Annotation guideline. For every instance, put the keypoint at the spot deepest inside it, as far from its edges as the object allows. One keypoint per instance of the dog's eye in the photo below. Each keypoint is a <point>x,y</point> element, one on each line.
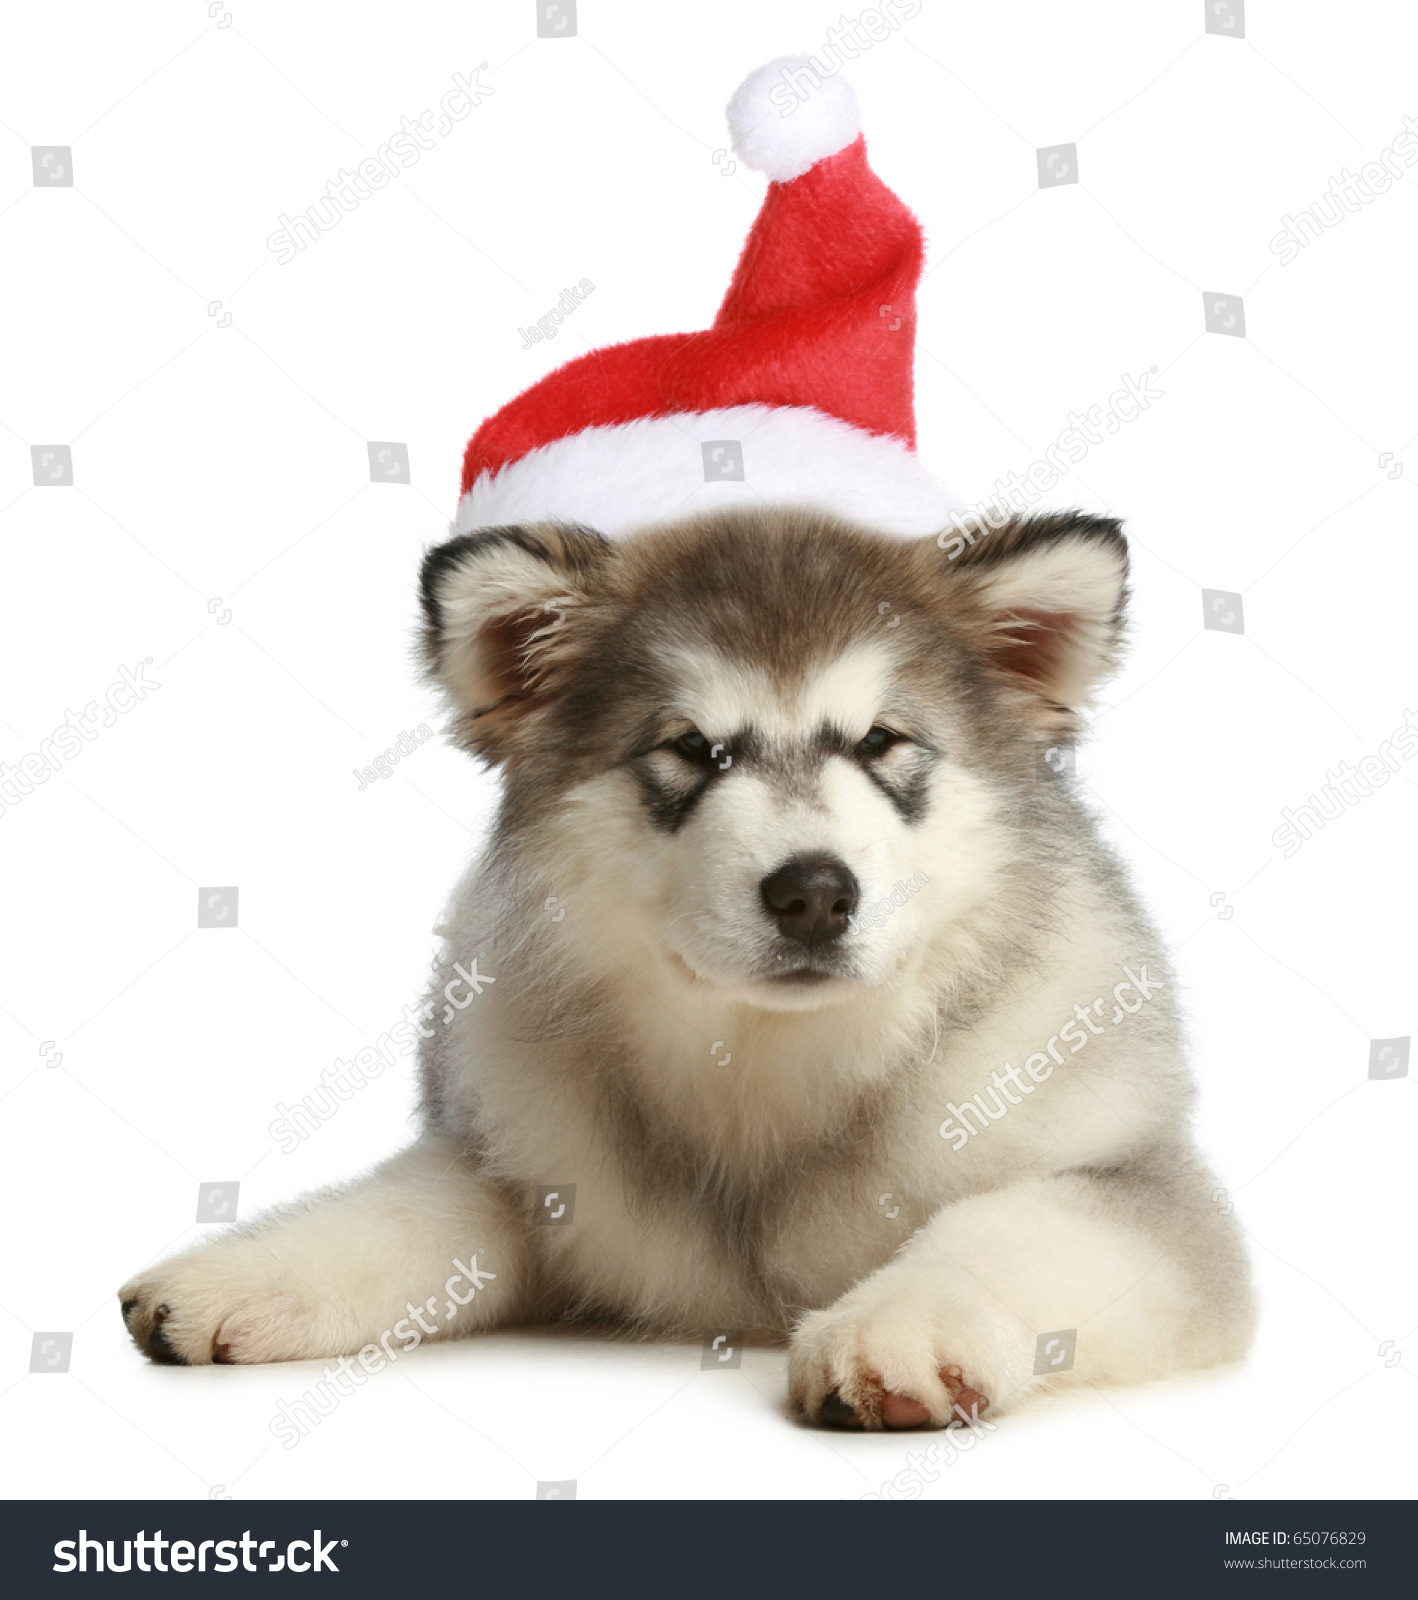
<point>693,746</point>
<point>877,741</point>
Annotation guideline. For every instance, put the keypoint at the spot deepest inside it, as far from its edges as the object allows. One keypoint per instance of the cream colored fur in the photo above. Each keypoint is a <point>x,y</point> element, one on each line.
<point>736,1148</point>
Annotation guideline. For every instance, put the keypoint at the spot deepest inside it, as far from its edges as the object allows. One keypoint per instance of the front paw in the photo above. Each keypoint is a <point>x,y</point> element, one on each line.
<point>218,1305</point>
<point>881,1366</point>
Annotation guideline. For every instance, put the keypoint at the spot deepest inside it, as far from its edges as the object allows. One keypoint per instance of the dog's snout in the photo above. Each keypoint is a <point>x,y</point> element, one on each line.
<point>810,898</point>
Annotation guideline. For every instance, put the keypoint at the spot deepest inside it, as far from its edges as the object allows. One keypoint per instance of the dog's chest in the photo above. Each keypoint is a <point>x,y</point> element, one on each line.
<point>664,1232</point>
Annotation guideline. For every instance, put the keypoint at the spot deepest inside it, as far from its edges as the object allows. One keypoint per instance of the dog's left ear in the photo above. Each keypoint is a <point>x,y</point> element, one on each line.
<point>1042,599</point>
<point>504,610</point>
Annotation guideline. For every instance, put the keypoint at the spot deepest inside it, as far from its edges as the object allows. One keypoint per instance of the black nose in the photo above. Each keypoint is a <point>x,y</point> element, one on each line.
<point>810,898</point>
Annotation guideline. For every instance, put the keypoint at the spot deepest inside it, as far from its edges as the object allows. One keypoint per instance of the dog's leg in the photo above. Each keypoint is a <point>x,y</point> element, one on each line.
<point>1132,1274</point>
<point>379,1260</point>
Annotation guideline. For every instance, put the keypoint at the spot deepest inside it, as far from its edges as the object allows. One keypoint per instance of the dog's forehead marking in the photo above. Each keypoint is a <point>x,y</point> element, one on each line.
<point>720,695</point>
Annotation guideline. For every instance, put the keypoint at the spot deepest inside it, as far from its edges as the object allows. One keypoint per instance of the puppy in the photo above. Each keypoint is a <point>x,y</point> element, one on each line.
<point>795,994</point>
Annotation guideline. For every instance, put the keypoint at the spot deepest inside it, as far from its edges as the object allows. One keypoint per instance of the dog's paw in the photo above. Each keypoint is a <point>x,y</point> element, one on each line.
<point>881,1366</point>
<point>220,1305</point>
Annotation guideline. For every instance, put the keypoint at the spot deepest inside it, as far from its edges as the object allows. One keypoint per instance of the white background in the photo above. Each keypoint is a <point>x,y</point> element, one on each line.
<point>228,465</point>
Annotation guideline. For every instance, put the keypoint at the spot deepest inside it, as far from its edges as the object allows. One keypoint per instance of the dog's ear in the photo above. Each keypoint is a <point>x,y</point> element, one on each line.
<point>1042,599</point>
<point>501,624</point>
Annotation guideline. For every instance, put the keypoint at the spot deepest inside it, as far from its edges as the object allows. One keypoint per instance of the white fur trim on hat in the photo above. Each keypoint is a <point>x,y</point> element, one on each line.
<point>624,477</point>
<point>789,115</point>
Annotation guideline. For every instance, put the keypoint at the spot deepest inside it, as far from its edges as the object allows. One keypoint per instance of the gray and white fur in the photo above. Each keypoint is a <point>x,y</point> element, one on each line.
<point>810,974</point>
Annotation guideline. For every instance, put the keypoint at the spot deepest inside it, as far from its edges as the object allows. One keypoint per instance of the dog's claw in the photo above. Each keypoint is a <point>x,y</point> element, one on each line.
<point>159,1347</point>
<point>836,1413</point>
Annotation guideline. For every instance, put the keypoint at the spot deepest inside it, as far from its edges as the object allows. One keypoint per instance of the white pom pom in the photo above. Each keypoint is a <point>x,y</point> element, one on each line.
<point>788,116</point>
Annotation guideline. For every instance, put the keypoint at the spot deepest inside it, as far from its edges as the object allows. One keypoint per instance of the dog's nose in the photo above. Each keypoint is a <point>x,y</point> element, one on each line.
<point>810,898</point>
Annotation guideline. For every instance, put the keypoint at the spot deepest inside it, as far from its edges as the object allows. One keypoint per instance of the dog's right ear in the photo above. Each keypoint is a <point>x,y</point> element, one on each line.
<point>500,624</point>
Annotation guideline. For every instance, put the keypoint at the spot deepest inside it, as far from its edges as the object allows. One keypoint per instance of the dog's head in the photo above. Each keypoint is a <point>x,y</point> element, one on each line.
<point>782,754</point>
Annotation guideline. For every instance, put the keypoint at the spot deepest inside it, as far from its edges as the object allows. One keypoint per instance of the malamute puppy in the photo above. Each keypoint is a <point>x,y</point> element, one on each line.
<point>795,995</point>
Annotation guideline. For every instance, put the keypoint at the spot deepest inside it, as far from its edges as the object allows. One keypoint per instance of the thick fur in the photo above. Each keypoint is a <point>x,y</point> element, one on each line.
<point>763,1134</point>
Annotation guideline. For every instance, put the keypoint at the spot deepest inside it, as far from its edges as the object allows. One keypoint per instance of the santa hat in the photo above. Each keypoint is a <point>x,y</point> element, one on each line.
<point>799,394</point>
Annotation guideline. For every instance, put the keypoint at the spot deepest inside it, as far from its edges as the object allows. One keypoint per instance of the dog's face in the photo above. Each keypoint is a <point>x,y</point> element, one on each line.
<point>778,753</point>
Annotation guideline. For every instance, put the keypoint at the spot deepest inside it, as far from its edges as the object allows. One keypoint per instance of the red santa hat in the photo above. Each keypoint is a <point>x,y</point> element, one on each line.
<point>801,390</point>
